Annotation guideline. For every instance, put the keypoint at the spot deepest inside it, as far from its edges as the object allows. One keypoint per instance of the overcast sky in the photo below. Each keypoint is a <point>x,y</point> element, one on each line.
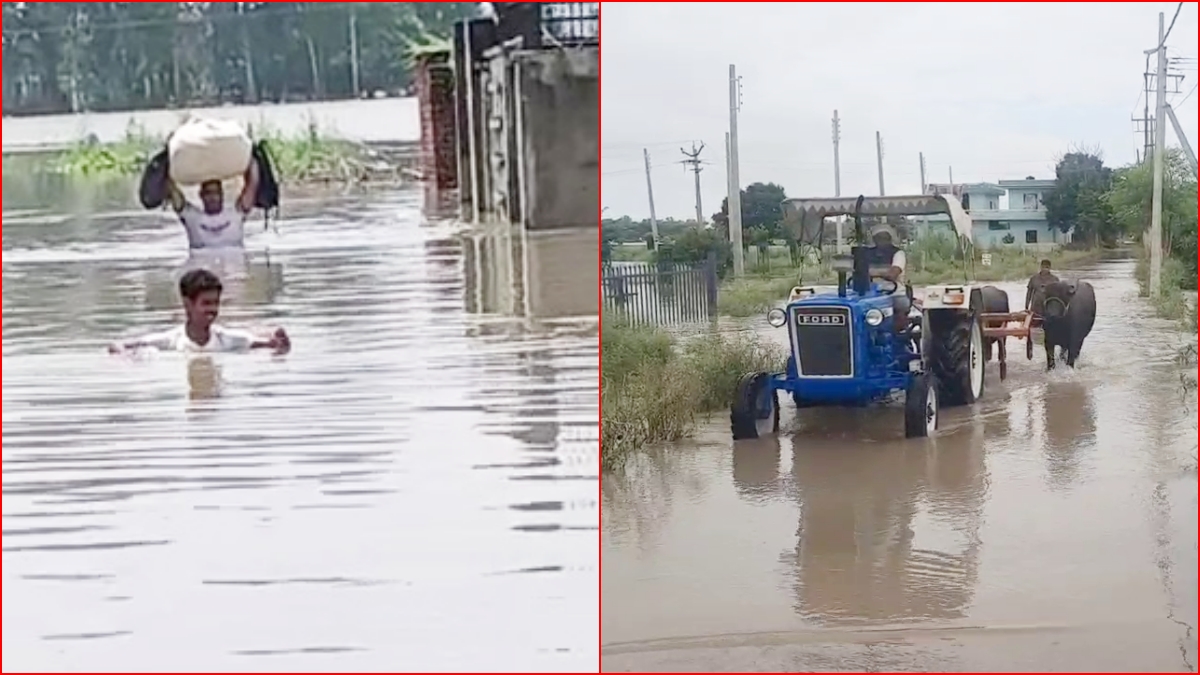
<point>994,90</point>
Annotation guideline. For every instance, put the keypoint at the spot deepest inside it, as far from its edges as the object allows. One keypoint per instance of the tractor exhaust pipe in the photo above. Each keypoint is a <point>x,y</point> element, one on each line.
<point>862,261</point>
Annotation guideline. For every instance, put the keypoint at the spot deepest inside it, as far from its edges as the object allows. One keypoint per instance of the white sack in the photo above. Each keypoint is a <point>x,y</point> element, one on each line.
<point>208,149</point>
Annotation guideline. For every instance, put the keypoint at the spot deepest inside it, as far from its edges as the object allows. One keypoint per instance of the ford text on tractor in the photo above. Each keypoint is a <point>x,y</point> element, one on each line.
<point>869,340</point>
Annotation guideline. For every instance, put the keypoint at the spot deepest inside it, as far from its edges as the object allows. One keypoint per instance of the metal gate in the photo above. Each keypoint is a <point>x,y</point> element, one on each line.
<point>660,294</point>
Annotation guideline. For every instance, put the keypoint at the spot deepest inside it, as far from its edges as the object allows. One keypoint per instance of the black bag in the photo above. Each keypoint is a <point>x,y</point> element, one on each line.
<point>154,189</point>
<point>266,197</point>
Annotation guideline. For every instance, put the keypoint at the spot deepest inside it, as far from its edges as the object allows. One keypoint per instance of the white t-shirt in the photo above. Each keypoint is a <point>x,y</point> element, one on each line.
<point>220,339</point>
<point>219,230</point>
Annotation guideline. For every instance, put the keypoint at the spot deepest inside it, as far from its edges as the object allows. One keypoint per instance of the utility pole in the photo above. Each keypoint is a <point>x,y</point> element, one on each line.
<point>735,185</point>
<point>837,157</point>
<point>693,158</point>
<point>879,156</point>
<point>1160,139</point>
<point>728,170</point>
<point>924,186</point>
<point>951,178</point>
<point>1147,123</point>
<point>354,50</point>
<point>650,193</point>
<point>837,178</point>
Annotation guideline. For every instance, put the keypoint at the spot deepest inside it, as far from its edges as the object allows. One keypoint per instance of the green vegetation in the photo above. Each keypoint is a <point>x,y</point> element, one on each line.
<point>654,388</point>
<point>1170,301</point>
<point>102,56</point>
<point>758,293</point>
<point>306,157</point>
<point>1130,199</point>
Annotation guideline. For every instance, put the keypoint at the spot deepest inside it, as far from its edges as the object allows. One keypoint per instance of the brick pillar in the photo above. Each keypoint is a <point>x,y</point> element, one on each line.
<point>435,93</point>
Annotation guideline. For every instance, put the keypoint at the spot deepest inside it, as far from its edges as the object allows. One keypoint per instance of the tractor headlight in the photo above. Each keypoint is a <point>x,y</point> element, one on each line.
<point>874,317</point>
<point>776,317</point>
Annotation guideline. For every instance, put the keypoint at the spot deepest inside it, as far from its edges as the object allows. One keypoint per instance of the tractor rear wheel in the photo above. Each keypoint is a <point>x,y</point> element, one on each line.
<point>755,408</point>
<point>954,354</point>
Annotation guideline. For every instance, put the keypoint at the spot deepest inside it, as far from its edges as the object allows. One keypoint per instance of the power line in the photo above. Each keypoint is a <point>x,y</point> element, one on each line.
<point>1185,97</point>
<point>1172,25</point>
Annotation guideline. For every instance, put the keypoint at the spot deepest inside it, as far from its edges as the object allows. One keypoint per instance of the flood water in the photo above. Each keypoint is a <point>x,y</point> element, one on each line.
<point>413,487</point>
<point>1052,526</point>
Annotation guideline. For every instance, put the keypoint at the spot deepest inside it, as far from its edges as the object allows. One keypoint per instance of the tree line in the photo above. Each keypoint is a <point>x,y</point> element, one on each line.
<point>103,56</point>
<point>1098,204</point>
<point>1102,205</point>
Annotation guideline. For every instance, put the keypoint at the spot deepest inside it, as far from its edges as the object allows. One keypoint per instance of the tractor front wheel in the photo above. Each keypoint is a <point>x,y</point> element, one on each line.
<point>921,409</point>
<point>755,408</point>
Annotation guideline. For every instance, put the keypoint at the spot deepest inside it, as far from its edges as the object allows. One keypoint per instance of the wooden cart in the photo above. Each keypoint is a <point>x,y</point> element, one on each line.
<point>998,327</point>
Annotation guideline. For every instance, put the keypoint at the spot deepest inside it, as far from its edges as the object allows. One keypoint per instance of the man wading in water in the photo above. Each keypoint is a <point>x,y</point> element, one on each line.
<point>218,225</point>
<point>201,294</point>
<point>1034,293</point>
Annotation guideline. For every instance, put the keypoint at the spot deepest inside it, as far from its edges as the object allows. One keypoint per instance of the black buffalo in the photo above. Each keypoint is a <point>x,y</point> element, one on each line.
<point>1068,314</point>
<point>994,301</point>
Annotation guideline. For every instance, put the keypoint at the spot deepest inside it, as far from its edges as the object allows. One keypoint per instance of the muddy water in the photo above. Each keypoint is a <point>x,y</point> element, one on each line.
<point>1052,526</point>
<point>413,487</point>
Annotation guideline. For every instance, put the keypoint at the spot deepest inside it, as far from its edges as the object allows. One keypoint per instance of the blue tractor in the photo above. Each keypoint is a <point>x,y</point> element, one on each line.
<point>870,340</point>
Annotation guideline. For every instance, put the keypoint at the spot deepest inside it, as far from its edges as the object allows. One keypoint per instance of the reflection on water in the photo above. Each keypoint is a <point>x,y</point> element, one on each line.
<point>858,558</point>
<point>403,488</point>
<point>204,378</point>
<point>1039,529</point>
<point>534,275</point>
<point>1070,427</point>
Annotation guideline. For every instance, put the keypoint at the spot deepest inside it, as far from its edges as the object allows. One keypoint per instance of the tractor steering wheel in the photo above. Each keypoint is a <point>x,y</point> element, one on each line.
<point>886,286</point>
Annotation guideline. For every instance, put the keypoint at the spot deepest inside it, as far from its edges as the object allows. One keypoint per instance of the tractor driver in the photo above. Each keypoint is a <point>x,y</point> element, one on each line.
<point>884,252</point>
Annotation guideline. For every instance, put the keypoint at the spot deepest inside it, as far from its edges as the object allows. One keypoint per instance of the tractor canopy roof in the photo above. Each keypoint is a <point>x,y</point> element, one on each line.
<point>804,216</point>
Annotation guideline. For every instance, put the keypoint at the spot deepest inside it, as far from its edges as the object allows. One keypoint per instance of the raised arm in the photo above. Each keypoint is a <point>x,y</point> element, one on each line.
<point>245,201</point>
<point>175,196</point>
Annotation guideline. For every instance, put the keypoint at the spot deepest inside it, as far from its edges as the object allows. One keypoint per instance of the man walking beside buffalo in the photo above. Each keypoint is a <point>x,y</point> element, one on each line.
<point>1035,293</point>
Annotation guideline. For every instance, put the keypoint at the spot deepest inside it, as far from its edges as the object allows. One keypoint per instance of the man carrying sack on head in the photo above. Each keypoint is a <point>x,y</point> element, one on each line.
<point>207,152</point>
<point>216,224</point>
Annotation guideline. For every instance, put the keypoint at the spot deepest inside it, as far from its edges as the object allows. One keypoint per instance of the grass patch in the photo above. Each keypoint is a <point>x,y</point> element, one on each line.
<point>309,156</point>
<point>632,253</point>
<point>654,388</point>
<point>927,264</point>
<point>1170,301</point>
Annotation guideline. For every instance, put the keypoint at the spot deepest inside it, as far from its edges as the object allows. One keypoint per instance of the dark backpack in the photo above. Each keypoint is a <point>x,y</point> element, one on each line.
<point>266,197</point>
<point>153,190</point>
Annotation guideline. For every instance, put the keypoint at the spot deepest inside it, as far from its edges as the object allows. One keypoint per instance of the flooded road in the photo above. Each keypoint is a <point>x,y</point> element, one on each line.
<point>1051,527</point>
<point>413,487</point>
